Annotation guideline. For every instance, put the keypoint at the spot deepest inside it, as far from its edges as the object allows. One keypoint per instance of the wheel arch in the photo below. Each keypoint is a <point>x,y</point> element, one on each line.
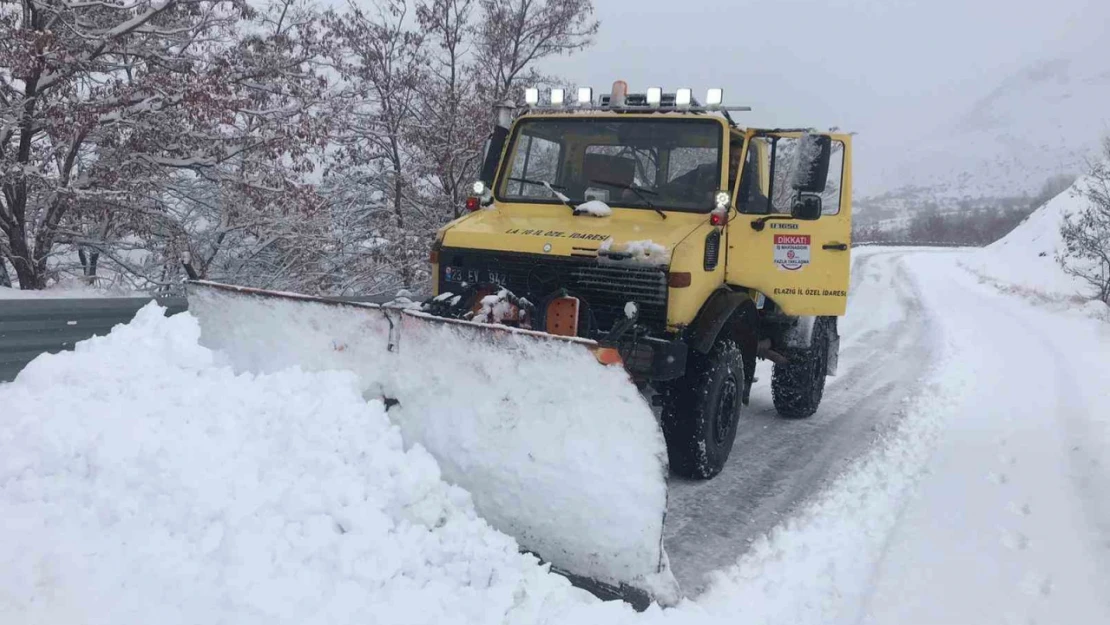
<point>730,313</point>
<point>724,307</point>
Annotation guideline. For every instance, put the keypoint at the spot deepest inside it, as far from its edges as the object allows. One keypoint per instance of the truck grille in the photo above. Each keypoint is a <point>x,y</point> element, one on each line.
<point>604,288</point>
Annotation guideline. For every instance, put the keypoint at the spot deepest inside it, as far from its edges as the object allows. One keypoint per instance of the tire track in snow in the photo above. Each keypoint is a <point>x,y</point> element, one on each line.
<point>778,464</point>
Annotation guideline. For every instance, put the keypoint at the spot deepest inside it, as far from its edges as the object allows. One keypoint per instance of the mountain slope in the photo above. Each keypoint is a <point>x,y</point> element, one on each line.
<point>1039,122</point>
<point>1026,259</point>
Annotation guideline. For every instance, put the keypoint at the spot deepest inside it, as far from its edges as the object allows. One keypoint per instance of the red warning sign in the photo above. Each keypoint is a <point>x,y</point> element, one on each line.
<point>791,251</point>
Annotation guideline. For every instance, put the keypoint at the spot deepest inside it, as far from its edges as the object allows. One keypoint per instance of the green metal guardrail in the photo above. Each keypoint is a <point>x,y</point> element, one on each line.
<point>30,327</point>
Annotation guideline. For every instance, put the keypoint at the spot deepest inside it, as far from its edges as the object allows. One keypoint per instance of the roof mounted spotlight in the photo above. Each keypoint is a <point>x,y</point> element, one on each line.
<point>531,96</point>
<point>714,97</point>
<point>654,96</point>
<point>585,95</point>
<point>557,97</point>
<point>683,97</point>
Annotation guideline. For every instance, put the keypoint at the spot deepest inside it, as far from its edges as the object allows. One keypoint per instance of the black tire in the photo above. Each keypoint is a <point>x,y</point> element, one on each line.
<point>702,409</point>
<point>798,385</point>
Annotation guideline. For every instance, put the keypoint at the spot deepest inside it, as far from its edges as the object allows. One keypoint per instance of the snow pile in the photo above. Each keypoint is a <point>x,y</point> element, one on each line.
<point>1009,523</point>
<point>558,451</point>
<point>646,252</point>
<point>159,487</point>
<point>597,208</point>
<point>1026,259</point>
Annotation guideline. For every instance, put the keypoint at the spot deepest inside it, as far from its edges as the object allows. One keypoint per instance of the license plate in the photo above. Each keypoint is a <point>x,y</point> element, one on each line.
<point>475,276</point>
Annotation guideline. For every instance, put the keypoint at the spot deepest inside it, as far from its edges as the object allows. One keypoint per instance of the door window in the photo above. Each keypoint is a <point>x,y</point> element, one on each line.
<point>784,159</point>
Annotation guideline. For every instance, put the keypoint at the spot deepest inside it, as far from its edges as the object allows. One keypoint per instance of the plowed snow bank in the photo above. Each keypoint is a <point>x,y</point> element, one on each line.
<point>557,451</point>
<point>140,483</point>
<point>1025,261</point>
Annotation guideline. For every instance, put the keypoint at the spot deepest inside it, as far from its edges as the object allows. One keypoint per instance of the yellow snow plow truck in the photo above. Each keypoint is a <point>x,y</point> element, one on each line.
<point>617,252</point>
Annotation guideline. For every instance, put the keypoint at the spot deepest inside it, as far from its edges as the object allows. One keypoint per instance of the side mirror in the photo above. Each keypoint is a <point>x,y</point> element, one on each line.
<point>811,163</point>
<point>806,207</point>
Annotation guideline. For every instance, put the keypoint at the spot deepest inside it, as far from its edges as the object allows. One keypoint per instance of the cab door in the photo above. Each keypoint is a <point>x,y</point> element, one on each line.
<point>789,232</point>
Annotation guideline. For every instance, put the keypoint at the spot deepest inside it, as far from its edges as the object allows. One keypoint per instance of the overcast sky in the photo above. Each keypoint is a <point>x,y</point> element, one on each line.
<point>872,66</point>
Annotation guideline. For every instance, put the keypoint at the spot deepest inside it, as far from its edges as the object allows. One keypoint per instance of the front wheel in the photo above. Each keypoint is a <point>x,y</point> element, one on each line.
<point>798,385</point>
<point>701,411</point>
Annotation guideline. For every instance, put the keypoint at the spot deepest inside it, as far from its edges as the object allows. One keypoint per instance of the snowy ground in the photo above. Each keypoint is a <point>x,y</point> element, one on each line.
<point>66,292</point>
<point>956,474</point>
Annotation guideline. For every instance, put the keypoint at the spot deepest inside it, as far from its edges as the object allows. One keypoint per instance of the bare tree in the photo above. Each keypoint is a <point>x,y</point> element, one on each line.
<point>1086,234</point>
<point>515,34</point>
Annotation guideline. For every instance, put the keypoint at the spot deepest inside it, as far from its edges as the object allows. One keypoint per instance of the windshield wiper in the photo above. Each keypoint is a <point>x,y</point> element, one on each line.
<point>550,187</point>
<point>538,183</point>
<point>640,192</point>
<point>562,198</point>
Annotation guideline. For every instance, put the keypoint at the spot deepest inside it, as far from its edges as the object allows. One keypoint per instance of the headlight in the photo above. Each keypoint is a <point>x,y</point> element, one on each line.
<point>682,97</point>
<point>531,96</point>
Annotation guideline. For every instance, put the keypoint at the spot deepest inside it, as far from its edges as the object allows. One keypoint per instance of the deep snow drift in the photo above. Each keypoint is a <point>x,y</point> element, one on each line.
<point>1025,261</point>
<point>141,483</point>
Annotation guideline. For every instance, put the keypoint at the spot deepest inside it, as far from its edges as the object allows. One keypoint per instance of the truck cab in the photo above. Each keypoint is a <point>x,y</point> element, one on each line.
<point>661,229</point>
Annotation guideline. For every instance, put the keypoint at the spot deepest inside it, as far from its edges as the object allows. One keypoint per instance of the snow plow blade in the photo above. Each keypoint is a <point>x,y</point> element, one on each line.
<point>557,450</point>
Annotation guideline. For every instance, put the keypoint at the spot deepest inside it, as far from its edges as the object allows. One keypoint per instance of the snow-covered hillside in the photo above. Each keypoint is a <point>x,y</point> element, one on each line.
<point>1041,121</point>
<point>1026,259</point>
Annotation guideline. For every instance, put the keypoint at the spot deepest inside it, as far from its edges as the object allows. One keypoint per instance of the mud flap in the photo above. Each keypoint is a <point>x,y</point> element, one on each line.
<point>558,451</point>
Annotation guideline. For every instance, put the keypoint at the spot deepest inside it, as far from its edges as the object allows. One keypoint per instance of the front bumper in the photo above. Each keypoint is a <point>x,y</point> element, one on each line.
<point>655,359</point>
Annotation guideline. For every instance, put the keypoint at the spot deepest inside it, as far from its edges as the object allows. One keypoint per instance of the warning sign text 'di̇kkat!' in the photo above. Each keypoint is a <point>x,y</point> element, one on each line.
<point>791,251</point>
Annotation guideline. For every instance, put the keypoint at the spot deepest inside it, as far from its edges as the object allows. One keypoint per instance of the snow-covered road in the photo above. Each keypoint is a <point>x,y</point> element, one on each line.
<point>957,472</point>
<point>887,345</point>
<point>1011,522</point>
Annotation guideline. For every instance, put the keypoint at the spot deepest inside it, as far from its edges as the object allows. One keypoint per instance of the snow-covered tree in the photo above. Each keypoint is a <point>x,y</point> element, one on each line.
<point>374,178</point>
<point>455,119</point>
<point>1086,233</point>
<point>104,105</point>
<point>266,143</point>
<point>419,83</point>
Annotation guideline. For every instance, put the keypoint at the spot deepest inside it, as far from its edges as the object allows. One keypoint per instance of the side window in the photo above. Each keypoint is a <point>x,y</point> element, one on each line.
<point>751,197</point>
<point>830,199</point>
<point>537,159</point>
<point>784,159</point>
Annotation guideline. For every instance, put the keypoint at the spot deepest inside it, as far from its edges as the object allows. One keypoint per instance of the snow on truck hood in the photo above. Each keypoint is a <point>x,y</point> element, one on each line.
<point>554,230</point>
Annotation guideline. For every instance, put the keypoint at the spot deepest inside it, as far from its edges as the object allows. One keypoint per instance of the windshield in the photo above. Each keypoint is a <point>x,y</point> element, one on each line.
<point>668,164</point>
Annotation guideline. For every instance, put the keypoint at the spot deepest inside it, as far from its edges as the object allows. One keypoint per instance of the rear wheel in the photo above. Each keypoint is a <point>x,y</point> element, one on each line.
<point>701,411</point>
<point>798,385</point>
